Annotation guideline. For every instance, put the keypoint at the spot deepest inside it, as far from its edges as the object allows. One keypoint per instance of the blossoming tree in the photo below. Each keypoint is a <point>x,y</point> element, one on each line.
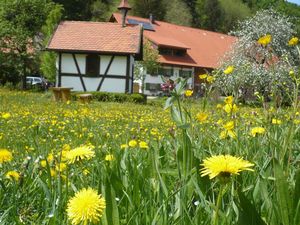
<point>261,59</point>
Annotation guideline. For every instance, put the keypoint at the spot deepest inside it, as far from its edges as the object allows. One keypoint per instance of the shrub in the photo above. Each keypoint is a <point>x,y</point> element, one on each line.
<point>114,97</point>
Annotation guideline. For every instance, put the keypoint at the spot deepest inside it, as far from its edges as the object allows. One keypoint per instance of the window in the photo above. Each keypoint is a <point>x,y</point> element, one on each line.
<point>153,87</point>
<point>92,65</point>
<point>167,72</point>
<point>171,51</point>
<point>185,73</point>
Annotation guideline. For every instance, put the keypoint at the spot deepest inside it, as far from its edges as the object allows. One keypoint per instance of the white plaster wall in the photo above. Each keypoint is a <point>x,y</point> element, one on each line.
<point>113,85</point>
<point>68,64</point>
<point>73,82</point>
<point>91,83</point>
<point>118,66</point>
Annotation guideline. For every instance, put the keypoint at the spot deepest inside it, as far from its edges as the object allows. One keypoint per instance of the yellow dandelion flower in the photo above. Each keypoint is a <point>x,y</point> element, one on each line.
<point>86,206</point>
<point>257,130</point>
<point>276,121</point>
<point>5,156</point>
<point>265,40</point>
<point>202,76</point>
<point>143,145</point>
<point>229,125</point>
<point>202,117</point>
<point>6,115</point>
<point>43,163</point>
<point>229,99</point>
<point>188,93</point>
<point>229,108</point>
<point>50,158</point>
<point>219,106</point>
<point>210,79</point>
<point>132,143</point>
<point>79,153</point>
<point>12,175</point>
<point>293,41</point>
<point>109,157</point>
<point>124,146</point>
<point>224,166</point>
<point>229,70</point>
<point>61,167</point>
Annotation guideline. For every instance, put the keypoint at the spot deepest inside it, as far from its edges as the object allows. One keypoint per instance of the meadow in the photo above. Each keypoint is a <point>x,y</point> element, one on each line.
<point>145,164</point>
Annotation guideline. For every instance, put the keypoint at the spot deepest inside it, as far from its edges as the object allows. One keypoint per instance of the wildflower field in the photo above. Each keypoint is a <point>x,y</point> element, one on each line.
<point>192,163</point>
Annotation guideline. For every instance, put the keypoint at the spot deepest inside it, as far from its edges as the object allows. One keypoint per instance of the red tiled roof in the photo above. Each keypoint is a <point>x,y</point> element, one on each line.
<point>96,37</point>
<point>204,48</point>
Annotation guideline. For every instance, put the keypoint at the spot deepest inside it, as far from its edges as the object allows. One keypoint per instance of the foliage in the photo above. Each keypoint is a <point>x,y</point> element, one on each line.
<point>179,7</point>
<point>48,59</point>
<point>115,97</point>
<point>146,161</point>
<point>261,68</point>
<point>149,64</point>
<point>20,24</point>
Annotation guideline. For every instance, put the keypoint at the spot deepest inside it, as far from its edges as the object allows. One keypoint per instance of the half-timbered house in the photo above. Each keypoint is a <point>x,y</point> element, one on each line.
<point>96,56</point>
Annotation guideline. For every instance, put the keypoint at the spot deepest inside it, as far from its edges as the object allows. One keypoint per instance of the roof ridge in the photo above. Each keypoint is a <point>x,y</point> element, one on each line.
<point>176,25</point>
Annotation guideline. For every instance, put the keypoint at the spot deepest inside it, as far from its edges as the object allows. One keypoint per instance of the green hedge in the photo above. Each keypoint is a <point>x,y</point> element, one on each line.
<point>114,97</point>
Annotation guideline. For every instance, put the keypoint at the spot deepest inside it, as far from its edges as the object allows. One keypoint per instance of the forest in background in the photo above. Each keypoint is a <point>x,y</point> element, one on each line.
<point>214,15</point>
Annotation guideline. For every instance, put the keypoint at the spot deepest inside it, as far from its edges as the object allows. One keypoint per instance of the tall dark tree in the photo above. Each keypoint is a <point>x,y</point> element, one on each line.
<point>179,7</point>
<point>144,8</point>
<point>20,25</point>
<point>76,9</point>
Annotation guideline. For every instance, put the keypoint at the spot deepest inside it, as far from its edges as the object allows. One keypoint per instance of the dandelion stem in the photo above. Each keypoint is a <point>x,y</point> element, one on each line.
<point>216,212</point>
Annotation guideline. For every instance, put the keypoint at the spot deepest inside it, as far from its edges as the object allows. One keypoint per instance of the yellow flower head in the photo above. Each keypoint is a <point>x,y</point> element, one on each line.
<point>5,156</point>
<point>43,163</point>
<point>124,146</point>
<point>257,130</point>
<point>132,143</point>
<point>202,76</point>
<point>143,145</point>
<point>276,121</point>
<point>188,93</point>
<point>202,117</point>
<point>6,115</point>
<point>227,133</point>
<point>86,206</point>
<point>229,125</point>
<point>265,40</point>
<point>228,70</point>
<point>210,79</point>
<point>109,157</point>
<point>12,175</point>
<point>224,166</point>
<point>293,41</point>
<point>61,167</point>
<point>79,153</point>
<point>229,99</point>
<point>229,108</point>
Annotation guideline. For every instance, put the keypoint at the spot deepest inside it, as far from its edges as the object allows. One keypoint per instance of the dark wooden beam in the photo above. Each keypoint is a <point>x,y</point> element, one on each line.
<point>79,73</point>
<point>99,76</point>
<point>105,73</point>
<point>59,70</point>
<point>127,74</point>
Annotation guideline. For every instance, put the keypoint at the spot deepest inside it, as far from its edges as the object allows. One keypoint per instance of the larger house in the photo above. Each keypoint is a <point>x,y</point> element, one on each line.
<point>94,56</point>
<point>184,51</point>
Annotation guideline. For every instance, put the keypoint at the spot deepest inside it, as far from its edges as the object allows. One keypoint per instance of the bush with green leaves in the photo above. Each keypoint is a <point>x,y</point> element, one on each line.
<point>258,66</point>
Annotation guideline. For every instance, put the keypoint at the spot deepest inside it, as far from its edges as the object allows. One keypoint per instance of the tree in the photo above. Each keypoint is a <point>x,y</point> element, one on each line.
<point>260,58</point>
<point>144,8</point>
<point>209,13</point>
<point>76,9</point>
<point>20,23</point>
<point>233,11</point>
<point>179,7</point>
<point>48,59</point>
<point>150,63</point>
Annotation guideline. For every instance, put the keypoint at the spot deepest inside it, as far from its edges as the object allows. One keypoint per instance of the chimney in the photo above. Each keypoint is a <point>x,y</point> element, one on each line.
<point>151,18</point>
<point>124,8</point>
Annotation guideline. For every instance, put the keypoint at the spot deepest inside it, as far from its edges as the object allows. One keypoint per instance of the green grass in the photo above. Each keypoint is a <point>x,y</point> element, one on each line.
<point>159,185</point>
